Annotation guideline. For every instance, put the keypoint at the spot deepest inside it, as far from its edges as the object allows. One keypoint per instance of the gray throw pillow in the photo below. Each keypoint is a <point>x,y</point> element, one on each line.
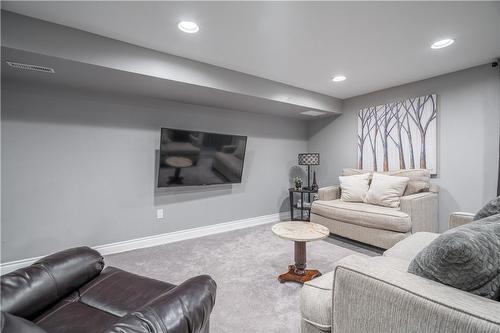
<point>491,208</point>
<point>466,257</point>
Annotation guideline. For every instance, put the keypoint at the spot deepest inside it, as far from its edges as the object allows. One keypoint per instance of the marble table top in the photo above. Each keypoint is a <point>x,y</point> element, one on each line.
<point>300,231</point>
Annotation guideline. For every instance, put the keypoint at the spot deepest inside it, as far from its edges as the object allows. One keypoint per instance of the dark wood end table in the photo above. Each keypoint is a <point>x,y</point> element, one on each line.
<point>304,193</point>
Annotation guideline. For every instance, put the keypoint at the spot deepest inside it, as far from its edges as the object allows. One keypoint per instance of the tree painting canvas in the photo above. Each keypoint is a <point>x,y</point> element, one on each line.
<point>399,135</point>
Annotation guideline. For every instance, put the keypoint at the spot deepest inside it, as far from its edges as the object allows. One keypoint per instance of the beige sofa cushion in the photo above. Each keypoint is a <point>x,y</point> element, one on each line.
<point>351,172</point>
<point>386,190</point>
<point>363,214</point>
<point>409,247</point>
<point>354,188</point>
<point>420,179</point>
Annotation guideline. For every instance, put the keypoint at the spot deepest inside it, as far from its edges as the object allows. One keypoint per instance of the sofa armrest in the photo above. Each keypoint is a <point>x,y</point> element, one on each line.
<point>371,297</point>
<point>459,218</point>
<point>423,211</point>
<point>183,309</point>
<point>329,193</point>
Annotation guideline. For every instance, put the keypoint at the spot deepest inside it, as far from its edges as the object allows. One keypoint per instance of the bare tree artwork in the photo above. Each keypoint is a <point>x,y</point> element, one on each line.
<point>396,133</point>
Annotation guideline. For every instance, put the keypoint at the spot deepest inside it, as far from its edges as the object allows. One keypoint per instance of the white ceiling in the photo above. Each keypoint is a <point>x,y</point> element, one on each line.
<point>375,44</point>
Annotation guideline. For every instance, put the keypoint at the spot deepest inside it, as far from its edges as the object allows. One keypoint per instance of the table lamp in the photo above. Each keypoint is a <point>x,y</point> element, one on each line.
<point>309,159</point>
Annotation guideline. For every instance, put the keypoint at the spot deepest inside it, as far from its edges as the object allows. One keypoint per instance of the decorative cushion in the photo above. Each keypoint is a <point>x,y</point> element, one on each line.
<point>354,188</point>
<point>420,179</point>
<point>466,257</point>
<point>352,172</point>
<point>491,208</point>
<point>386,190</point>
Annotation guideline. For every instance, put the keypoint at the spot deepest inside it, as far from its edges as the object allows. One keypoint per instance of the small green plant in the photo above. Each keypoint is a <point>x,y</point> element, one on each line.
<point>297,181</point>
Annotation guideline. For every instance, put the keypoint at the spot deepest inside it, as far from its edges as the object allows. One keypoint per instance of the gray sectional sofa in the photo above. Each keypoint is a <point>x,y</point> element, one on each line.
<point>377,294</point>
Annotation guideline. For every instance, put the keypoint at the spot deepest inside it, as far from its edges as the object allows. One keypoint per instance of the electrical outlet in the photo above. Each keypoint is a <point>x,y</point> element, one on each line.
<point>159,213</point>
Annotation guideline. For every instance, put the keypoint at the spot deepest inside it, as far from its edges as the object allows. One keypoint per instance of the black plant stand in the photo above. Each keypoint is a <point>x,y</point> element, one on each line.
<point>303,194</point>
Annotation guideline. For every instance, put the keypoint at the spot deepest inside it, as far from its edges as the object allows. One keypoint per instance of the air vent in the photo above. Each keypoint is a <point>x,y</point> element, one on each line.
<point>29,67</point>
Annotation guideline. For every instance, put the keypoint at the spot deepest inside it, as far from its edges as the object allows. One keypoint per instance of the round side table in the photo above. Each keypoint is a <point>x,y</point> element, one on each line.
<point>300,233</point>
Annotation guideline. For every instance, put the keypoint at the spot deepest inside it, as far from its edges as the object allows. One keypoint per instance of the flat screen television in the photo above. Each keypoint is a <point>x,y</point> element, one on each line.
<point>193,158</point>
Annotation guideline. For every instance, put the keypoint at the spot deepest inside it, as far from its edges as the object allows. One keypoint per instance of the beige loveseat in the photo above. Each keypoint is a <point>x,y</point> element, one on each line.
<point>377,225</point>
<point>377,294</point>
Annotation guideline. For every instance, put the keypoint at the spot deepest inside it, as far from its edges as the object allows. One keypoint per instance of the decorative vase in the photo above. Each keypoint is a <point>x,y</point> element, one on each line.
<point>314,185</point>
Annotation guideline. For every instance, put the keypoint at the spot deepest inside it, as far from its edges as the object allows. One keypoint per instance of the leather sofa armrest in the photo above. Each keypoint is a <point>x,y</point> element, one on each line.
<point>13,324</point>
<point>183,309</point>
<point>329,192</point>
<point>423,211</point>
<point>368,294</point>
<point>28,291</point>
<point>459,218</point>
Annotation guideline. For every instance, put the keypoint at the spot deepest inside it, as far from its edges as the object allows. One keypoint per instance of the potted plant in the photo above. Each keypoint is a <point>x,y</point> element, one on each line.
<point>297,181</point>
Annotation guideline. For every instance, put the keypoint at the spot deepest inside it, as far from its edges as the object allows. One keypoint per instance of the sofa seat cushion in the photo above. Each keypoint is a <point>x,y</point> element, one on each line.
<point>363,214</point>
<point>119,292</point>
<point>409,247</point>
<point>69,315</point>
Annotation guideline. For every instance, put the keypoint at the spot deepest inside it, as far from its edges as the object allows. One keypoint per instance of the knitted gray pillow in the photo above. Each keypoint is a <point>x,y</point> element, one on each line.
<point>466,257</point>
<point>491,208</point>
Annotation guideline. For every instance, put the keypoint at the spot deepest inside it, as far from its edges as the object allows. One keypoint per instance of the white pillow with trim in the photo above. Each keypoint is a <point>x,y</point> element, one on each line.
<point>353,188</point>
<point>386,190</point>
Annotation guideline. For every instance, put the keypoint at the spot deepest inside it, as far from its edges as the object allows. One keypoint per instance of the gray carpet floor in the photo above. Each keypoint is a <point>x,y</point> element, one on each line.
<point>245,264</point>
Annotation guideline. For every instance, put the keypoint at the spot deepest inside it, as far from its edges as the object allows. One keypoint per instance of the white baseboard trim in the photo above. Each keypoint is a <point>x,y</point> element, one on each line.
<point>155,240</point>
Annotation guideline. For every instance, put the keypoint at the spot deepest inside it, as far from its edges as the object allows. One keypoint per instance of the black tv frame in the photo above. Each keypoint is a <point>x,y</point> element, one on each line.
<point>178,186</point>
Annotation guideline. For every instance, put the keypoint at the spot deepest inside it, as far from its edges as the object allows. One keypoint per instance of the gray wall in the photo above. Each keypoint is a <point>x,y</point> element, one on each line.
<point>79,168</point>
<point>468,133</point>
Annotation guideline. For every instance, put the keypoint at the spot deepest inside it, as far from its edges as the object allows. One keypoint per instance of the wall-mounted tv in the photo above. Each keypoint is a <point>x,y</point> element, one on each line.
<point>193,158</point>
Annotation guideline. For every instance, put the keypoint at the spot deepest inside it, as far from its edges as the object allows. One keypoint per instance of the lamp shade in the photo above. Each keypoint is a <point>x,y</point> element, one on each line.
<point>309,159</point>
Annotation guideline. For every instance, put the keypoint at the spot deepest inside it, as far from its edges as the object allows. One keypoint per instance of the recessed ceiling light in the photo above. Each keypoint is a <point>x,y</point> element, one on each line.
<point>312,113</point>
<point>338,78</point>
<point>188,26</point>
<point>442,43</point>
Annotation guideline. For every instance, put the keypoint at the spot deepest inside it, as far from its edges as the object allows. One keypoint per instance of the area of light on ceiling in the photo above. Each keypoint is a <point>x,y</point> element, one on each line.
<point>442,43</point>
<point>312,113</point>
<point>338,78</point>
<point>188,27</point>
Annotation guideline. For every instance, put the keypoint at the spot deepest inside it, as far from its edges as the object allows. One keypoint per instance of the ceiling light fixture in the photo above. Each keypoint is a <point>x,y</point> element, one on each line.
<point>338,78</point>
<point>312,113</point>
<point>188,27</point>
<point>442,43</point>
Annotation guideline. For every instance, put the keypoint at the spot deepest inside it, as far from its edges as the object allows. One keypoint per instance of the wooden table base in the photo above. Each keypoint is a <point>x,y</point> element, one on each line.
<point>298,272</point>
<point>291,276</point>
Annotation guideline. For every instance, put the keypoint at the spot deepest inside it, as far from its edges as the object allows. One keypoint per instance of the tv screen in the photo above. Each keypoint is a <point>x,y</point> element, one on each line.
<point>189,158</point>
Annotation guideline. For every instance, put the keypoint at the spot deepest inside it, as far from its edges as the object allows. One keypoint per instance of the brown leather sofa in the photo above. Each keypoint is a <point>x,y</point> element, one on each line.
<point>70,292</point>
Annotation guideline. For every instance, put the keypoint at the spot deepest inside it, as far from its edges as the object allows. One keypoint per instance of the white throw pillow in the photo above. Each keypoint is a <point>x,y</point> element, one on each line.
<point>354,188</point>
<point>386,190</point>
